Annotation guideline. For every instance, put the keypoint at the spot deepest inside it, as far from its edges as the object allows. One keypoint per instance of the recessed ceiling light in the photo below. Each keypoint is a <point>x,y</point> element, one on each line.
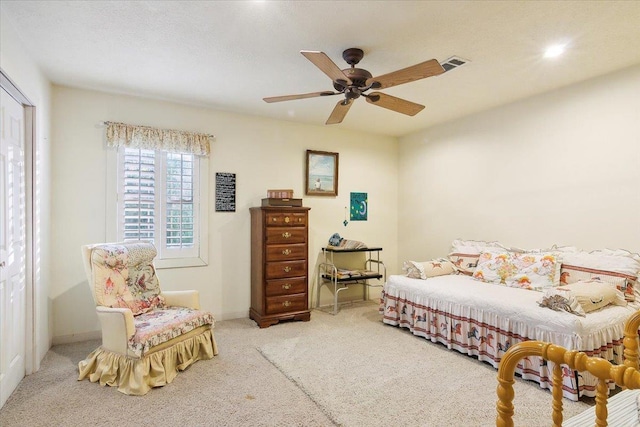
<point>554,51</point>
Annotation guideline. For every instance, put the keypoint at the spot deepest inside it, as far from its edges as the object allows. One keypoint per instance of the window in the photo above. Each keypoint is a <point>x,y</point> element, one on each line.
<point>161,199</point>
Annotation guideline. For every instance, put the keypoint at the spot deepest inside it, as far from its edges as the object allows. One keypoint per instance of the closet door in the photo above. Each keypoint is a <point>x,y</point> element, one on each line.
<point>12,245</point>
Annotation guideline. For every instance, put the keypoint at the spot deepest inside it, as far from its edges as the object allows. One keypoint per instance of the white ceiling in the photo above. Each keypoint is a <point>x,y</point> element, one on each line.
<point>228,55</point>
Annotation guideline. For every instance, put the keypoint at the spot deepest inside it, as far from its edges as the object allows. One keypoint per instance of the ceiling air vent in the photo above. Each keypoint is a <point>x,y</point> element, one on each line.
<point>453,62</point>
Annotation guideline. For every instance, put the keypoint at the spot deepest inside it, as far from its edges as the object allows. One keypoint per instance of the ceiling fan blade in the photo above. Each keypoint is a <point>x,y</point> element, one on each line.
<point>339,111</point>
<point>326,65</point>
<point>300,96</point>
<point>416,72</point>
<point>396,104</point>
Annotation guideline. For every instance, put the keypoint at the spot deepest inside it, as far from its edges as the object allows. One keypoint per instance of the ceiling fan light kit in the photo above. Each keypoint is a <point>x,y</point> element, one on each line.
<point>355,82</point>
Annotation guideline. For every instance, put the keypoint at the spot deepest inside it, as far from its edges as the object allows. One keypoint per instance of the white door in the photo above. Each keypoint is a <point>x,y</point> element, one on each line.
<point>12,246</point>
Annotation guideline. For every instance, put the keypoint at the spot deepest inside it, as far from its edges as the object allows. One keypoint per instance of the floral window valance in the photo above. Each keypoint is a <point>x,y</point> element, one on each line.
<point>145,137</point>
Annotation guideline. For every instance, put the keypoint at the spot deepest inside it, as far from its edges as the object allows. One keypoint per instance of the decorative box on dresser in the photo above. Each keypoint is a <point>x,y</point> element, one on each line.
<point>279,264</point>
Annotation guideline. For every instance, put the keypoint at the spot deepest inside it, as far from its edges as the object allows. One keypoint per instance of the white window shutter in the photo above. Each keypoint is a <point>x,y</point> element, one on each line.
<point>160,200</point>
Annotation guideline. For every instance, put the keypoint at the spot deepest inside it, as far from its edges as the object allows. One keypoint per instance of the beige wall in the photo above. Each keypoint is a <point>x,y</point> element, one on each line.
<point>563,167</point>
<point>262,153</point>
<point>19,67</point>
<point>559,168</point>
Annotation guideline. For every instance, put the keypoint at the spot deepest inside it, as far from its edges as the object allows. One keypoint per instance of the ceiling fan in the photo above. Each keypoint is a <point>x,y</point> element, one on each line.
<point>355,82</point>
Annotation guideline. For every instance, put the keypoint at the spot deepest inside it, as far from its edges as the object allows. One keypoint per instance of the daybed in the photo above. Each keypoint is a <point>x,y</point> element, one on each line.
<point>485,319</point>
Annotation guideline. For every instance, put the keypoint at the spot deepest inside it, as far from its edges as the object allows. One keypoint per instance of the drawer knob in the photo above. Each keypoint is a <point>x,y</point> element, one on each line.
<point>299,219</point>
<point>274,219</point>
<point>287,269</point>
<point>286,234</point>
<point>286,252</point>
<point>286,303</point>
<point>286,219</point>
<point>286,286</point>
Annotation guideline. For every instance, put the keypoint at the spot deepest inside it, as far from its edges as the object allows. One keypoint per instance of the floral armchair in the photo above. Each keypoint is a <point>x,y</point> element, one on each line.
<point>147,334</point>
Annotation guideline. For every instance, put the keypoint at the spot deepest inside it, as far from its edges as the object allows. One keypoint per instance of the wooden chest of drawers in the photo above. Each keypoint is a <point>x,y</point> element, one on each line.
<point>279,264</point>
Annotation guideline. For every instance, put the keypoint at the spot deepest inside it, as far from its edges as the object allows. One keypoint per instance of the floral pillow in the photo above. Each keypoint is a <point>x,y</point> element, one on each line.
<point>536,271</point>
<point>533,271</point>
<point>124,277</point>
<point>143,282</point>
<point>494,267</point>
<point>110,275</point>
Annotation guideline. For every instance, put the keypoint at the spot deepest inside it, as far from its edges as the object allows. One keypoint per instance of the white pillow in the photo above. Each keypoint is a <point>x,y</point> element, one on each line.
<point>474,246</point>
<point>594,295</point>
<point>619,260</point>
<point>425,269</point>
<point>413,269</point>
<point>438,267</point>
<point>617,267</point>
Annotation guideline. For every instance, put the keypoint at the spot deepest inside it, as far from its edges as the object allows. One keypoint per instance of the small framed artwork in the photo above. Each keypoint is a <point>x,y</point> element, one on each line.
<point>359,207</point>
<point>225,192</point>
<point>322,173</point>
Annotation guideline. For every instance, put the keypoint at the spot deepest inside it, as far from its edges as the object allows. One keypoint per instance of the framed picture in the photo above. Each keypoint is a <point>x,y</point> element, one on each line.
<point>359,207</point>
<point>322,173</point>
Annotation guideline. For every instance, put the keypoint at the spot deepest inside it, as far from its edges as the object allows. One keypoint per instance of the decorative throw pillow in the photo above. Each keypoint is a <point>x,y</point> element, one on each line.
<point>561,300</point>
<point>110,274</point>
<point>464,253</point>
<point>616,267</point>
<point>124,277</point>
<point>533,271</point>
<point>536,271</point>
<point>554,248</point>
<point>475,246</point>
<point>593,295</point>
<point>494,267</point>
<point>438,267</point>
<point>464,263</point>
<point>413,269</point>
<point>426,269</point>
<point>143,282</point>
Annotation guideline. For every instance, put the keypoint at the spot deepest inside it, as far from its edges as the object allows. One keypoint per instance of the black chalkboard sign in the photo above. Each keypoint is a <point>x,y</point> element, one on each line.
<point>225,192</point>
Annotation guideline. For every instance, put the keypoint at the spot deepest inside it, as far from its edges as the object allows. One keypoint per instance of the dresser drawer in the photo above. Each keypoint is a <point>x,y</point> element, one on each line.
<point>286,252</point>
<point>279,264</point>
<point>277,235</point>
<point>280,270</point>
<point>286,286</point>
<point>286,303</point>
<point>290,219</point>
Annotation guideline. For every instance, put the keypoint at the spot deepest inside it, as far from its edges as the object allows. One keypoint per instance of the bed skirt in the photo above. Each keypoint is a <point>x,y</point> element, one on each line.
<point>136,376</point>
<point>478,330</point>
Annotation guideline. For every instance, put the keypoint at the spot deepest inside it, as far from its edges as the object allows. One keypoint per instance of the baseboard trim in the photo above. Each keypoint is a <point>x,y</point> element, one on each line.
<point>68,339</point>
<point>232,315</point>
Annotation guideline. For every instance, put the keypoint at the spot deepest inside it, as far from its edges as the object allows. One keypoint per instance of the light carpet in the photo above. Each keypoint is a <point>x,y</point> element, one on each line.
<point>348,369</point>
<point>365,373</point>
